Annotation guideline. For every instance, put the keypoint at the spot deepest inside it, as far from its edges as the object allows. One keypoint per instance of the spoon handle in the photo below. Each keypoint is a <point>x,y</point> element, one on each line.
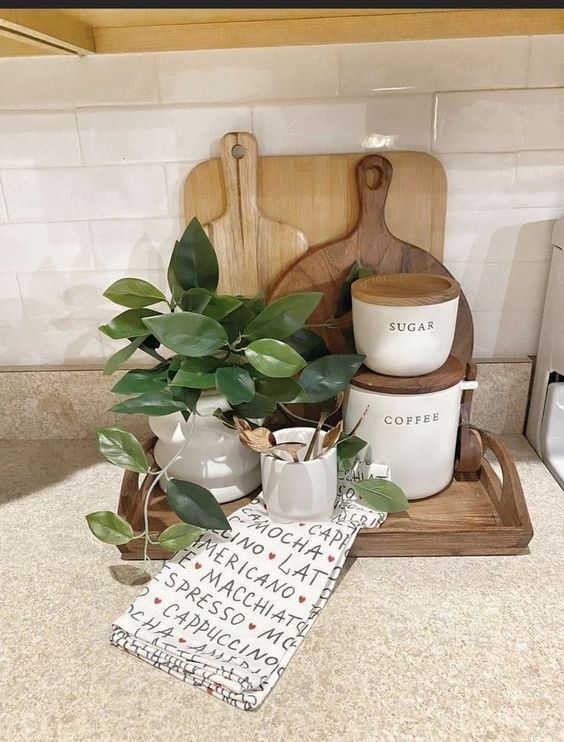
<point>313,440</point>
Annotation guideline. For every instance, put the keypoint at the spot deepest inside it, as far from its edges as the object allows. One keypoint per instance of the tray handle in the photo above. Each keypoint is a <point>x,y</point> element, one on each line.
<point>509,491</point>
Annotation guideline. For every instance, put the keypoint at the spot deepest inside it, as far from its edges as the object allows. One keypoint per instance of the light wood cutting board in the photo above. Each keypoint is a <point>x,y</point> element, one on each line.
<point>317,195</point>
<point>252,249</point>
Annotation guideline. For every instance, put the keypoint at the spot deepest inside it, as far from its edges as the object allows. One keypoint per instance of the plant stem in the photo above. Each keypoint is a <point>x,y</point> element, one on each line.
<point>159,475</point>
<point>154,354</point>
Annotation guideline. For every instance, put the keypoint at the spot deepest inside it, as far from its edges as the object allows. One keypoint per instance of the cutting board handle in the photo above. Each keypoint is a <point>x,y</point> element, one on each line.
<point>373,178</point>
<point>239,157</point>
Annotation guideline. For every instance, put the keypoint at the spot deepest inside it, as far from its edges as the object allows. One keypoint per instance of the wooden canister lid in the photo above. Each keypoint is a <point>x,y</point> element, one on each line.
<point>405,289</point>
<point>449,374</point>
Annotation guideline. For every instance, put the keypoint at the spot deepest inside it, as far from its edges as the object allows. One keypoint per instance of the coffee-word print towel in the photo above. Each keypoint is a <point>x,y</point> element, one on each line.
<point>228,614</point>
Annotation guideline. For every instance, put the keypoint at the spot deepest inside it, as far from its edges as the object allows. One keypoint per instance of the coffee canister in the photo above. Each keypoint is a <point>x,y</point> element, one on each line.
<point>410,424</point>
<point>404,323</point>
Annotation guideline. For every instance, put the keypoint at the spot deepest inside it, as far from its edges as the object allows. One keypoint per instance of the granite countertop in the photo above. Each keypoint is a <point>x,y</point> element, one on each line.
<point>407,648</point>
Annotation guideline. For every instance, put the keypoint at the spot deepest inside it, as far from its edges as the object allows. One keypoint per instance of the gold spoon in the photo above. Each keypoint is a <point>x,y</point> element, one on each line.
<point>323,416</point>
<point>332,437</point>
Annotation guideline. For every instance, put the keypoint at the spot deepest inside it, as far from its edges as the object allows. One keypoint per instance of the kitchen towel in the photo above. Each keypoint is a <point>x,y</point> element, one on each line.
<point>228,613</point>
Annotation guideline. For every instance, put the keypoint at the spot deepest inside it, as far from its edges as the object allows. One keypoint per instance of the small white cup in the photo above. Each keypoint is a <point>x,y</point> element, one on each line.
<point>303,490</point>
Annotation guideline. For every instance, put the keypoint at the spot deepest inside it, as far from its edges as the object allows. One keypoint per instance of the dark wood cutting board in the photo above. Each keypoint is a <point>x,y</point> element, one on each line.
<point>325,267</point>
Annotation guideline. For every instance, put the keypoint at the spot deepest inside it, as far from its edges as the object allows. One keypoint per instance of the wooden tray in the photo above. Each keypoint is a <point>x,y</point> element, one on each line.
<point>476,515</point>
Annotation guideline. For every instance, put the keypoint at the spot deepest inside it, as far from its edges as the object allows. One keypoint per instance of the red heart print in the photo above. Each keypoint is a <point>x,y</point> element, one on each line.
<point>331,558</point>
<point>197,565</point>
<point>158,600</point>
<point>252,626</point>
<point>182,641</point>
<point>210,691</point>
<point>271,555</point>
<point>301,598</point>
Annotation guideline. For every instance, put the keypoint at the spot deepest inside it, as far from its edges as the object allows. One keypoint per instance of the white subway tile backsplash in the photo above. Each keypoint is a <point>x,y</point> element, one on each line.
<point>76,294</point>
<point>3,214</point>
<point>66,82</point>
<point>230,75</point>
<point>309,128</point>
<point>77,212</point>
<point>49,342</point>
<point>11,306</point>
<point>507,334</point>
<point>399,122</point>
<point>499,121</point>
<point>478,282</point>
<point>521,286</point>
<point>60,194</point>
<point>176,175</point>
<point>436,65</point>
<point>484,121</point>
<point>45,247</point>
<point>38,139</point>
<point>498,235</point>
<point>546,61</point>
<point>539,179</point>
<point>543,118</point>
<point>134,244</point>
<point>155,134</point>
<point>478,181</point>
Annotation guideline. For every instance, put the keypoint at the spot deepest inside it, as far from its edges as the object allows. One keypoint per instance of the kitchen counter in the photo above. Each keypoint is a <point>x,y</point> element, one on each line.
<point>406,649</point>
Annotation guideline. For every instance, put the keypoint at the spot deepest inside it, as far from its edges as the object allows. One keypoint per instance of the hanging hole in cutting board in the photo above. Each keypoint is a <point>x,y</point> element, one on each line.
<point>373,177</point>
<point>238,151</point>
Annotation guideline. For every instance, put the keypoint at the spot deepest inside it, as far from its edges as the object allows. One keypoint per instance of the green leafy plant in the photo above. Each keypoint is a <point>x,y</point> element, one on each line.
<point>258,356</point>
<point>378,494</point>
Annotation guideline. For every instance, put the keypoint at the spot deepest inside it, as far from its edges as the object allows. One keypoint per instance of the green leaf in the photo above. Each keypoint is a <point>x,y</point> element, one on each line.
<point>194,379</point>
<point>221,305</point>
<point>128,324</point>
<point>196,505</point>
<point>308,344</point>
<point>344,300</point>
<point>109,527</point>
<point>278,390</point>
<point>274,358</point>
<point>134,293</point>
<point>348,449</point>
<point>150,403</point>
<point>195,300</point>
<point>284,316</point>
<point>179,536</point>
<point>347,333</point>
<point>173,366</point>
<point>379,494</point>
<point>256,409</point>
<point>122,449</point>
<point>193,262</point>
<point>327,376</point>
<point>188,397</point>
<point>141,380</point>
<point>236,322</point>
<point>188,333</point>
<point>235,383</point>
<point>197,373</point>
<point>116,360</point>
<point>256,304</point>
<point>175,288</point>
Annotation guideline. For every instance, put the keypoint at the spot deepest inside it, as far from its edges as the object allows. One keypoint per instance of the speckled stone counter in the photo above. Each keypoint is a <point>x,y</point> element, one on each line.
<point>406,649</point>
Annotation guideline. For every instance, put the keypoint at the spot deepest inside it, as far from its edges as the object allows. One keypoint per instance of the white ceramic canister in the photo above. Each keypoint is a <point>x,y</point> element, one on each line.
<point>214,456</point>
<point>404,323</point>
<point>303,490</point>
<point>411,425</point>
